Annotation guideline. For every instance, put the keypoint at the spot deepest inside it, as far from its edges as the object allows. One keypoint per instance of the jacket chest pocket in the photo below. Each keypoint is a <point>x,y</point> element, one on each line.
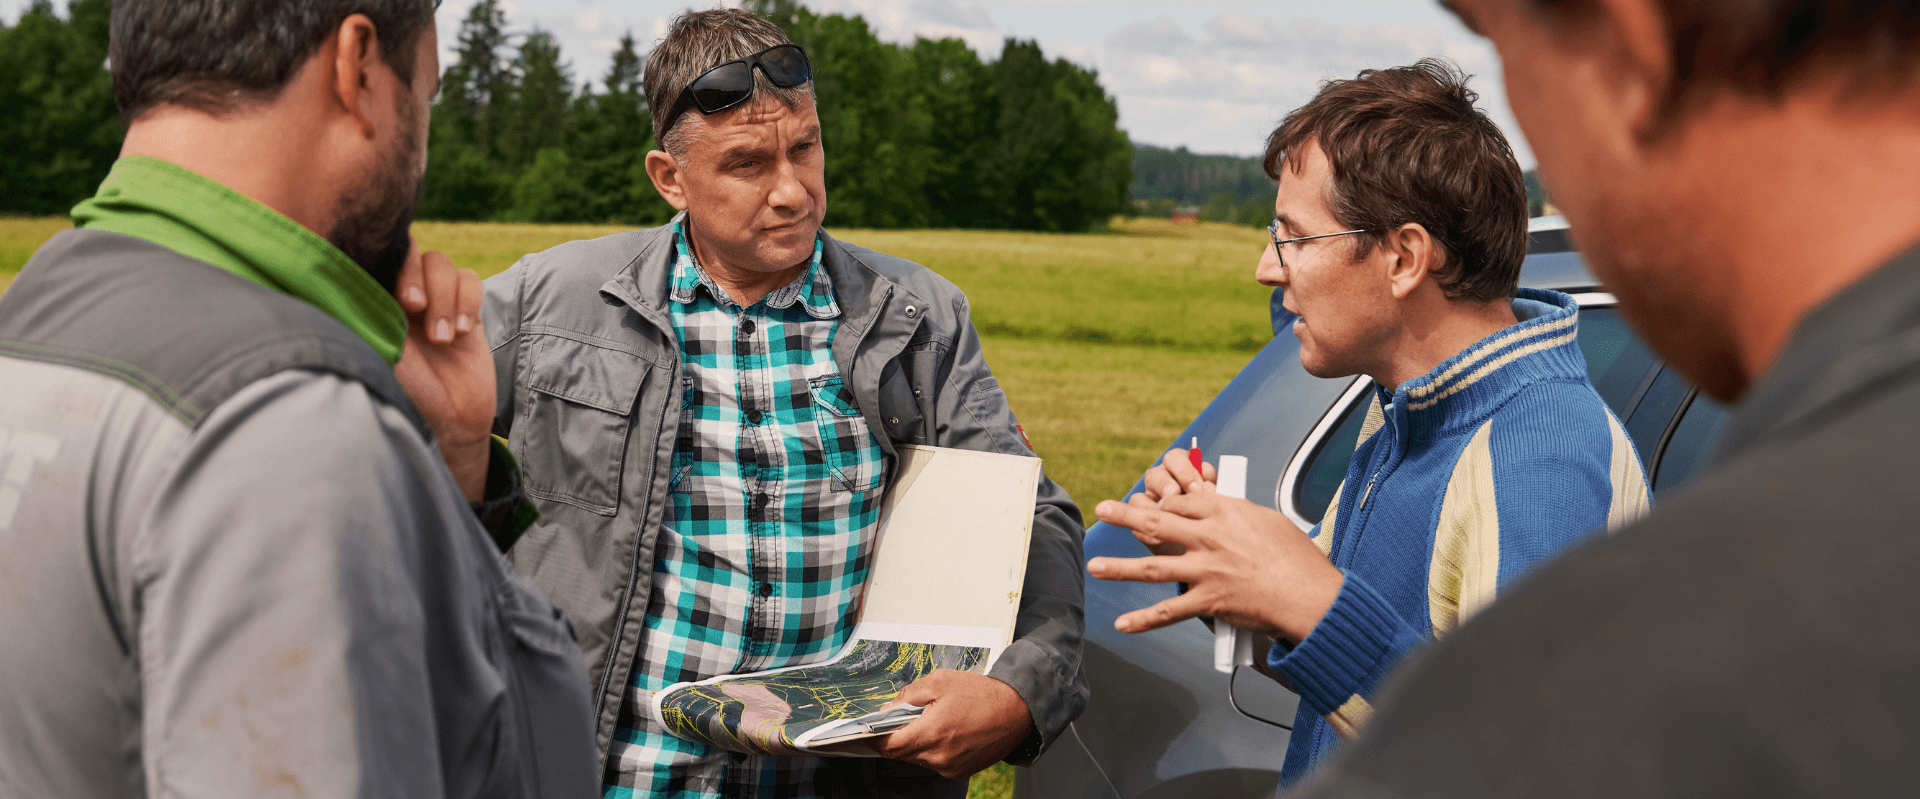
<point>851,453</point>
<point>579,403</point>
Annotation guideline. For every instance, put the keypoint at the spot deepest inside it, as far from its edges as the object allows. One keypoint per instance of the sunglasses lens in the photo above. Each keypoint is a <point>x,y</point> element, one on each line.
<point>723,87</point>
<point>786,66</point>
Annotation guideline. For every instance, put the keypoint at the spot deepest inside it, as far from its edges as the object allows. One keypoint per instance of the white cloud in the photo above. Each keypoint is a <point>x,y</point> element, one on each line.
<point>1163,70</point>
<point>1162,36</point>
<point>1222,88</point>
<point>589,21</point>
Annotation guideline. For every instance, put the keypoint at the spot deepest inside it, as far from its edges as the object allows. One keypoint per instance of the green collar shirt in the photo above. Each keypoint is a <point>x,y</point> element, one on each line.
<point>186,212</point>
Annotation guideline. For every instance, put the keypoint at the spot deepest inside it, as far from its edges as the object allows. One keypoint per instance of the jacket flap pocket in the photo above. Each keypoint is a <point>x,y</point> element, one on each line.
<point>589,374</point>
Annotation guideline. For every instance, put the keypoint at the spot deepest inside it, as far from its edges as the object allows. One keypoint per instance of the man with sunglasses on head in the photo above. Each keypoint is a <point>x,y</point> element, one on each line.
<point>1399,231</point>
<point>707,414</point>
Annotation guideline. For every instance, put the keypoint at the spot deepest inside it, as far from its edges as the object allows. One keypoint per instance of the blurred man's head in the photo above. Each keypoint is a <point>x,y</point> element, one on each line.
<point>1682,136</point>
<point>354,78</point>
<point>1431,192</point>
<point>751,177</point>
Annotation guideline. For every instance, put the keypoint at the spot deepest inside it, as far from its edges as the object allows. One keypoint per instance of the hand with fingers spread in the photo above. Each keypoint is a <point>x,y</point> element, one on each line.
<point>971,721</point>
<point>1173,477</point>
<point>1244,564</point>
<point>445,365</point>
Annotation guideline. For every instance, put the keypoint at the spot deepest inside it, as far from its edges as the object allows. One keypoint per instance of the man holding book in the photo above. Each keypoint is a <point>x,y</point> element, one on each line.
<point>707,414</point>
<point>1399,232</point>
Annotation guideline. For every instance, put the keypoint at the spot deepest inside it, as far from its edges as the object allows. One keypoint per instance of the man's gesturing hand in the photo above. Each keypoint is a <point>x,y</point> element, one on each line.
<point>971,721</point>
<point>1243,564</point>
<point>445,366</point>
<point>1172,477</point>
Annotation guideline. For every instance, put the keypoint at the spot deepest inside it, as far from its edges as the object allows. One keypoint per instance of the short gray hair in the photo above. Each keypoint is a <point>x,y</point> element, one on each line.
<point>701,40</point>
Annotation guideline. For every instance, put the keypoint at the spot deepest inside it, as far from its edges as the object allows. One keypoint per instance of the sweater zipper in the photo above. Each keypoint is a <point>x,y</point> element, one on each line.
<point>1360,515</point>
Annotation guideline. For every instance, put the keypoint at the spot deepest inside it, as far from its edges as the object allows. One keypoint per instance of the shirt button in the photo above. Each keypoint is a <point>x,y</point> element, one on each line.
<point>746,327</point>
<point>912,312</point>
<point>754,416</point>
<point>766,589</point>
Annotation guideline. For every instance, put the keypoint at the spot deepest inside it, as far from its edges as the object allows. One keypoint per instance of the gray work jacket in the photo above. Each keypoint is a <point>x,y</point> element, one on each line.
<point>233,564</point>
<point>588,367</point>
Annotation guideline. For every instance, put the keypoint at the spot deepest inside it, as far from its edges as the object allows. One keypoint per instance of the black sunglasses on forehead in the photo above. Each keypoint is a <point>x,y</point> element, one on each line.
<point>731,83</point>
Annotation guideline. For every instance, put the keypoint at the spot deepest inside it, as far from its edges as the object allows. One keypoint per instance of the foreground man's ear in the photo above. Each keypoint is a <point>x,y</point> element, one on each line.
<point>665,172</point>
<point>356,49</point>
<point>1635,31</point>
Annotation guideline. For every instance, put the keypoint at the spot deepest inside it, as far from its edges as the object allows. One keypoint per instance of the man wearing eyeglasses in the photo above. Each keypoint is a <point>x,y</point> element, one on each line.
<point>1399,232</point>
<point>706,414</point>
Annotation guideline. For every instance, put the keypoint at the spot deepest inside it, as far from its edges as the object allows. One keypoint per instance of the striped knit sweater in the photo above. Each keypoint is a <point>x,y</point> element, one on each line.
<point>1466,479</point>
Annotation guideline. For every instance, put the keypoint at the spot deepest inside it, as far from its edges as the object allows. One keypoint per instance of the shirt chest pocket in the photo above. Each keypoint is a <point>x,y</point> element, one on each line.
<point>852,455</point>
<point>578,407</point>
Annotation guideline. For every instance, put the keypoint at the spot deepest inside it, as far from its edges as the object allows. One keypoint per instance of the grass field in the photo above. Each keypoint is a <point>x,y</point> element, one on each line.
<point>1107,343</point>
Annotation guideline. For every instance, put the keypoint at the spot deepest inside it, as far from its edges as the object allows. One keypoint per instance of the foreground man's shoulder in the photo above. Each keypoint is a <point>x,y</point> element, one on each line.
<point>1753,617</point>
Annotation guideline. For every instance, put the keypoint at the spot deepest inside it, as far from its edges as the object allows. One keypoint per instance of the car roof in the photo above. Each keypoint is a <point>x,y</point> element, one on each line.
<point>1552,261</point>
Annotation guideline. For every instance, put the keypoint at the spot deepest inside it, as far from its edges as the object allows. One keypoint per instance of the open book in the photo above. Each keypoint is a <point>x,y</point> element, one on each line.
<point>950,557</point>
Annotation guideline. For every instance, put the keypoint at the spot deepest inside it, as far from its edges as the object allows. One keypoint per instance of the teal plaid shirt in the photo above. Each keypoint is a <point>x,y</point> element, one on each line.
<point>776,490</point>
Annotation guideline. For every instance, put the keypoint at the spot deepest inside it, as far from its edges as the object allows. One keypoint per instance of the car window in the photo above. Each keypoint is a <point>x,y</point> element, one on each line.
<point>1322,475</point>
<point>1617,362</point>
<point>1655,412</point>
<point>1691,444</point>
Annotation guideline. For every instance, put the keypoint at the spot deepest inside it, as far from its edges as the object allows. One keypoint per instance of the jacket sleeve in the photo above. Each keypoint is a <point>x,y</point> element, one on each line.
<point>1339,665</point>
<point>500,311</point>
<point>1043,663</point>
<point>284,617</point>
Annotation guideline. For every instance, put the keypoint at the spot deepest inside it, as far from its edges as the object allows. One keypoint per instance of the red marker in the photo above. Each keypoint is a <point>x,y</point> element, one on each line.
<point>1193,456</point>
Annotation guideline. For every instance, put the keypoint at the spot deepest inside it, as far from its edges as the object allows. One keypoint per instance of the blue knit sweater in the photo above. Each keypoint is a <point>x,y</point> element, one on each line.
<point>1464,479</point>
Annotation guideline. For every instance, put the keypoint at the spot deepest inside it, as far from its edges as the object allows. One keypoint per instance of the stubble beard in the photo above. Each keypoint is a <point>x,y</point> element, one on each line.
<point>373,222</point>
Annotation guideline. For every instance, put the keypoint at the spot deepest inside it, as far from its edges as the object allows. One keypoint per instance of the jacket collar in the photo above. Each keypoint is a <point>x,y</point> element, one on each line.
<point>1866,335</point>
<point>1467,388</point>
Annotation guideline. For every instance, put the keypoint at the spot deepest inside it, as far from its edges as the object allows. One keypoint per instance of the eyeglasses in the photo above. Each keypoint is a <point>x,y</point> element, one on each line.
<point>730,84</point>
<point>1273,232</point>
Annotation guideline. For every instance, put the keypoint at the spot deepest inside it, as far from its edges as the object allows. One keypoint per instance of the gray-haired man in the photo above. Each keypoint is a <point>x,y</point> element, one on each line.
<point>706,413</point>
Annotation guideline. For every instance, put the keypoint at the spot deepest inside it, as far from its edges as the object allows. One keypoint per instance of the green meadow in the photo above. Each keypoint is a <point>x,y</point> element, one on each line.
<point>1106,343</point>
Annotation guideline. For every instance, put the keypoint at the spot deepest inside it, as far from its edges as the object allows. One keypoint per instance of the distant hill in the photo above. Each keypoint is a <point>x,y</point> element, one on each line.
<point>1190,178</point>
<point>1227,188</point>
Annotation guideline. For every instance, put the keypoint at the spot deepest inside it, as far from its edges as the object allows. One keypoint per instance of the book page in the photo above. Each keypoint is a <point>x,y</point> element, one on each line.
<point>952,548</point>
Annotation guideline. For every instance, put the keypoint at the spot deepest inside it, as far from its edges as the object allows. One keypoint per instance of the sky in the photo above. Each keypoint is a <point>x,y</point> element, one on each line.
<point>1211,75</point>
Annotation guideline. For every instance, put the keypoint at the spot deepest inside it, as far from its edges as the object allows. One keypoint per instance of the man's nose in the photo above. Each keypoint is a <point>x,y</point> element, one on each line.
<point>1268,271</point>
<point>788,192</point>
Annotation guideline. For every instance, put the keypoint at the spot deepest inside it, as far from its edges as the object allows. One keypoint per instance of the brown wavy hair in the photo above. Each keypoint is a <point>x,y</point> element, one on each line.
<point>1406,144</point>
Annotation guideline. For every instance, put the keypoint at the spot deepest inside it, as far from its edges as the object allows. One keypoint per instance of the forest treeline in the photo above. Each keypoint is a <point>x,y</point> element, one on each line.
<point>920,135</point>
